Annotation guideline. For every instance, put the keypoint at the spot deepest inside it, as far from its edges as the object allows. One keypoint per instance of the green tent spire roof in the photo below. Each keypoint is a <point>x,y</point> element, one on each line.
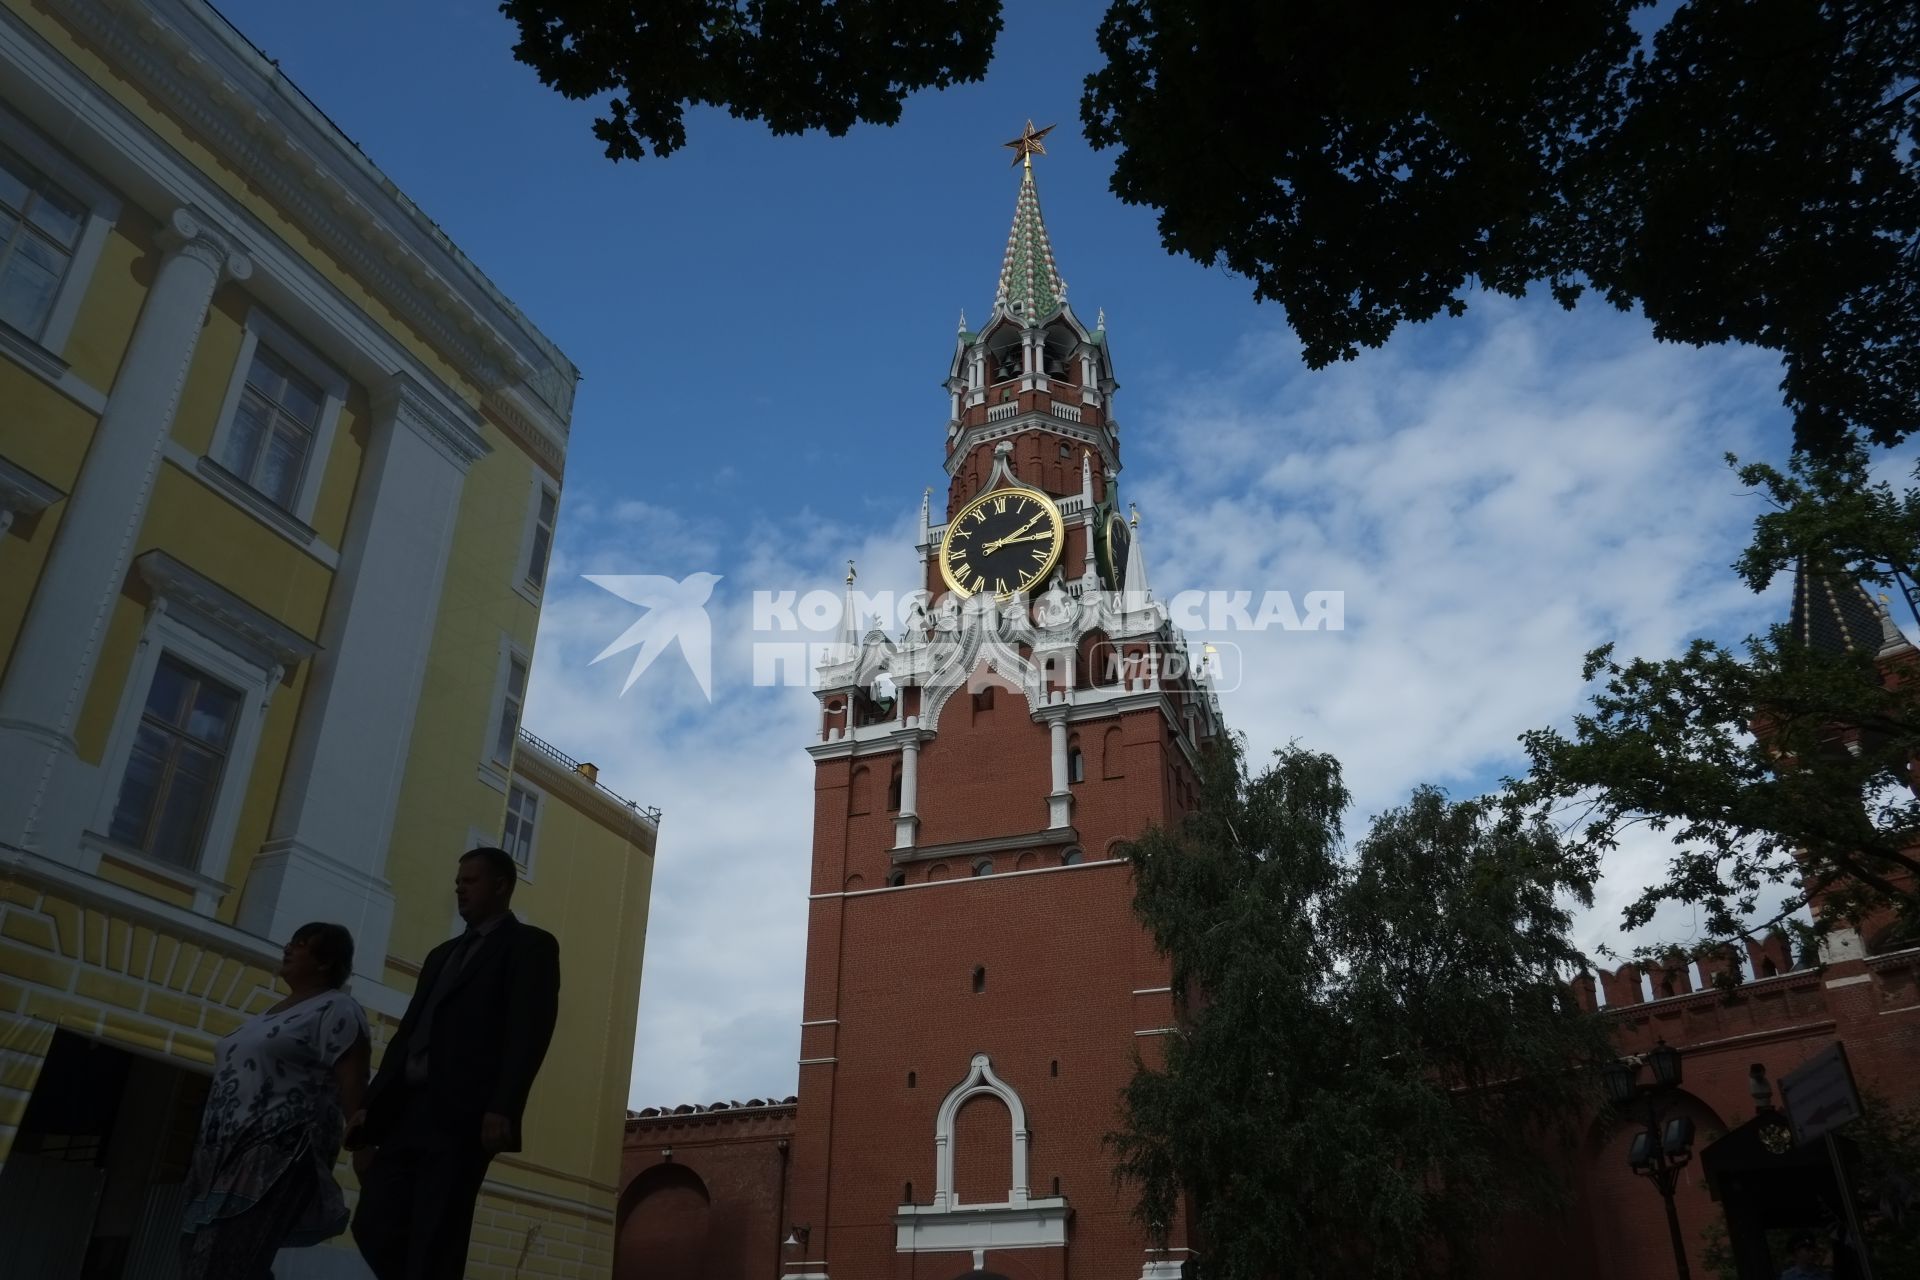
<point>1030,286</point>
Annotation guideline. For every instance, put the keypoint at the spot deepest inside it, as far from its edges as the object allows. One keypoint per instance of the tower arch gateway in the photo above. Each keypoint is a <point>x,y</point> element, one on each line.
<point>956,929</point>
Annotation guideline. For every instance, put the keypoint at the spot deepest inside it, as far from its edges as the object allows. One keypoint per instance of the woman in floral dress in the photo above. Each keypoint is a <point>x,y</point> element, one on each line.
<point>283,1083</point>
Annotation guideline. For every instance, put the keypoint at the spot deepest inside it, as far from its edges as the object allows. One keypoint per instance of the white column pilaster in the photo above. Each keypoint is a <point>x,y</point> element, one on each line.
<point>326,854</point>
<point>42,806</point>
<point>1060,802</point>
<point>906,824</point>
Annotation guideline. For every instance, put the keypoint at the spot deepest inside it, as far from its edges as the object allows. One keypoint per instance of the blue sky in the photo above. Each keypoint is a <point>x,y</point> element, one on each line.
<point>763,325</point>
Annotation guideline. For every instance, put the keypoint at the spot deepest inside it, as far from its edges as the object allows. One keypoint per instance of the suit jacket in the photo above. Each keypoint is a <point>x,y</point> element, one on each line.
<point>489,1035</point>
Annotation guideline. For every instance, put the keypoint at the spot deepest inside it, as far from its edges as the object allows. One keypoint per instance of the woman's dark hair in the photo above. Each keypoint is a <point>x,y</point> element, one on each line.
<point>332,946</point>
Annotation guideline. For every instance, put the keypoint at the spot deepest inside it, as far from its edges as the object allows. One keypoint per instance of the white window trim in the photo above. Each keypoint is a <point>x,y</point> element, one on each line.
<point>291,348</point>
<point>539,820</point>
<point>980,1081</point>
<point>509,650</point>
<point>540,483</point>
<point>167,634</point>
<point>103,210</point>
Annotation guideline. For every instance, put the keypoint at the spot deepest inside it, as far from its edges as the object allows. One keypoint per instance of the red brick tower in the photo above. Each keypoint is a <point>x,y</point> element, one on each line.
<point>977,985</point>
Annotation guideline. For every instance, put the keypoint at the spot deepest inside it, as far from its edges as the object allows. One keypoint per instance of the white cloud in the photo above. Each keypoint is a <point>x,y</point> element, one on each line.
<point>1495,496</point>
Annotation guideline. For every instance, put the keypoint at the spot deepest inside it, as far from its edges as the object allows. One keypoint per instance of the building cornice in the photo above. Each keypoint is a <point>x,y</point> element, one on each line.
<point>194,64</point>
<point>538,764</point>
<point>22,492</point>
<point>196,595</point>
<point>1099,439</point>
<point>1046,839</point>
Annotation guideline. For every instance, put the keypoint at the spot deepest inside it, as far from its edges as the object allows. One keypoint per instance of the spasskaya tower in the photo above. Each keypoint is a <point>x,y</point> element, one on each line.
<point>976,983</point>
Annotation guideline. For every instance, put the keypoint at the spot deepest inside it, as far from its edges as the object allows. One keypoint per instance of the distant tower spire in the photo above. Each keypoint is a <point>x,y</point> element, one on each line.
<point>849,624</point>
<point>1030,285</point>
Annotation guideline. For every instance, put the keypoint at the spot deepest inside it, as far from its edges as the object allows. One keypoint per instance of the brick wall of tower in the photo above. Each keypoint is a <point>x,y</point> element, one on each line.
<point>1070,981</point>
<point>1057,1016</point>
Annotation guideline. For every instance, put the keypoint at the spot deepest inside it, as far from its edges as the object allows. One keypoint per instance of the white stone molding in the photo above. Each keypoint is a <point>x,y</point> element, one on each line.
<point>22,493</point>
<point>1164,1264</point>
<point>454,432</point>
<point>948,1226</point>
<point>980,1081</point>
<point>262,639</point>
<point>242,495</point>
<point>53,660</point>
<point>1021,422</point>
<point>262,328</point>
<point>327,849</point>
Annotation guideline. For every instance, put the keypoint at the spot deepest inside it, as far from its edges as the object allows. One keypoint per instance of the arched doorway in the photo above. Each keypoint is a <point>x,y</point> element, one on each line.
<point>663,1225</point>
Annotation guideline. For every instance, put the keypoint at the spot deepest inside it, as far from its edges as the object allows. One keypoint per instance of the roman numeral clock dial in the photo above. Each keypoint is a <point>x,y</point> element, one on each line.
<point>1002,542</point>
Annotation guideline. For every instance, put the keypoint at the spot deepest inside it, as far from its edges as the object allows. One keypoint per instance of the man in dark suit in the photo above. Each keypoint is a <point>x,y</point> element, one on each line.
<point>454,1080</point>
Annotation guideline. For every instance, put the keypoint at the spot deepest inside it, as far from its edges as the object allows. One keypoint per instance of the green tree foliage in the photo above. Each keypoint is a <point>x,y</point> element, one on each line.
<point>796,64</point>
<point>1747,174</point>
<point>1373,1042</point>
<point>1778,764</point>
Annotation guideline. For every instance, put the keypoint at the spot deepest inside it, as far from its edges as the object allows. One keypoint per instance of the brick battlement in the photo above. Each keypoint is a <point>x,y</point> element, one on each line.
<point>650,1124</point>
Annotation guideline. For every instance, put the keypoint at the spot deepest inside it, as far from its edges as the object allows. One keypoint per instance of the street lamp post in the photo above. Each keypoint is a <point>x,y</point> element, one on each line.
<point>1665,1146</point>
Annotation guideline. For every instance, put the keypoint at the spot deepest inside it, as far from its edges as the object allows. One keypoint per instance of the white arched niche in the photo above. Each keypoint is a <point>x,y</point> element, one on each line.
<point>1021,1221</point>
<point>980,1080</point>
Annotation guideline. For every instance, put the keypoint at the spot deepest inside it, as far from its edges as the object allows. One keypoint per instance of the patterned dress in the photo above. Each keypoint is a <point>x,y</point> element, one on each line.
<point>273,1119</point>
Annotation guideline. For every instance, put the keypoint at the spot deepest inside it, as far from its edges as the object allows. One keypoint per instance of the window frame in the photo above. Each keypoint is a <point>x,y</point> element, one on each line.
<point>294,351</point>
<point>539,798</point>
<point>540,485</point>
<point>180,738</point>
<point>166,634</point>
<point>511,651</point>
<point>102,212</point>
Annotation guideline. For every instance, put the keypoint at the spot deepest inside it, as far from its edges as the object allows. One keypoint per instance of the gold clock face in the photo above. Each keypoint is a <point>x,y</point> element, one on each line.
<point>1004,541</point>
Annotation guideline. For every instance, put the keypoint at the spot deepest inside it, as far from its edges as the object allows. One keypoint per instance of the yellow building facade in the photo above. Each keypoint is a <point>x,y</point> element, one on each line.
<point>279,475</point>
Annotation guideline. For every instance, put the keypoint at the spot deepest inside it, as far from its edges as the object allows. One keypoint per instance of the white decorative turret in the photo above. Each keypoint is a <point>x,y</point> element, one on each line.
<point>1133,585</point>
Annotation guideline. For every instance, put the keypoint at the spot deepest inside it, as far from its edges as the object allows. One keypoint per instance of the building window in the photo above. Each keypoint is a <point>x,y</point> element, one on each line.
<point>513,697</point>
<point>546,512</point>
<point>893,791</point>
<point>983,699</point>
<point>983,867</point>
<point>40,229</point>
<point>1071,858</point>
<point>979,979</point>
<point>173,772</point>
<point>270,440</point>
<point>896,878</point>
<point>55,218</point>
<point>276,425</point>
<point>1076,765</point>
<point>517,838</point>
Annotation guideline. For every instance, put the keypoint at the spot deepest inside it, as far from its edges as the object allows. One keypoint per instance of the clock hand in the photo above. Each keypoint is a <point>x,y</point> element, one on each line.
<point>1031,537</point>
<point>1014,536</point>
